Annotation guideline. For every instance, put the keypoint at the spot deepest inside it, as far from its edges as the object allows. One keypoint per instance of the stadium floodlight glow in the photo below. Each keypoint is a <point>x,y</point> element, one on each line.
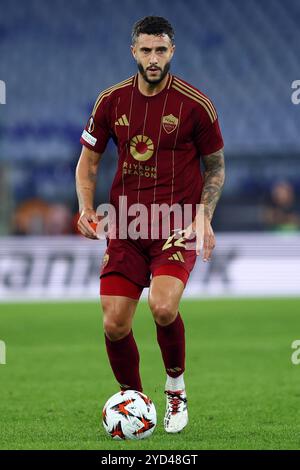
<point>2,352</point>
<point>2,92</point>
<point>296,94</point>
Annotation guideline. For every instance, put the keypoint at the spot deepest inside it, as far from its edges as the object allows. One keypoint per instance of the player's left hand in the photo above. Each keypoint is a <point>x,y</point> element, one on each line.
<point>209,241</point>
<point>205,237</point>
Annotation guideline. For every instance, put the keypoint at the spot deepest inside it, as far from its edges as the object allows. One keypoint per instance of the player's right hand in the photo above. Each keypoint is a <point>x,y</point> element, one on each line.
<point>86,217</point>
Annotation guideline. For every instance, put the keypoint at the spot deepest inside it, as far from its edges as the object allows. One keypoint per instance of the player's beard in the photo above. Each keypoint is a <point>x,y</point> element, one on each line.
<point>154,81</point>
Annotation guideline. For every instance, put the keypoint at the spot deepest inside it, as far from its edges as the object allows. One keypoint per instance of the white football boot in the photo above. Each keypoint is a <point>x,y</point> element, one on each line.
<point>176,416</point>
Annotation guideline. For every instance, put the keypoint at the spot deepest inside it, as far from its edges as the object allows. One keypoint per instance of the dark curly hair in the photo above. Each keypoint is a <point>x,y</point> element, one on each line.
<point>152,25</point>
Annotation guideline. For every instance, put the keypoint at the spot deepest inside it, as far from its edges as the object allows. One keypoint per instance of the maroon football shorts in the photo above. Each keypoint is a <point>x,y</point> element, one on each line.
<point>138,260</point>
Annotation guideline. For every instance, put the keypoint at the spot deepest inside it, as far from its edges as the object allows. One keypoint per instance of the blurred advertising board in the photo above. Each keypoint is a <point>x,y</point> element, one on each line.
<point>67,268</point>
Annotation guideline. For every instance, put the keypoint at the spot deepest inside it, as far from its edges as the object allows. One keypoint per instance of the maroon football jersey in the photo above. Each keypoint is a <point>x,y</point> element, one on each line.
<point>160,140</point>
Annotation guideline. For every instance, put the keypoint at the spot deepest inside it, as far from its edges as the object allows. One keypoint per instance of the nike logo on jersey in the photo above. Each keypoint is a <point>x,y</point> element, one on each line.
<point>122,121</point>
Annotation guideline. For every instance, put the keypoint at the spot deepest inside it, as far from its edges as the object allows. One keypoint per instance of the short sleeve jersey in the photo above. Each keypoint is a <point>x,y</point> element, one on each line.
<point>160,140</point>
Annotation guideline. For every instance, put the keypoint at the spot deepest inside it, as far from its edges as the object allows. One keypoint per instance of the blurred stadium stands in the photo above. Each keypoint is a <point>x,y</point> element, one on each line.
<point>56,56</point>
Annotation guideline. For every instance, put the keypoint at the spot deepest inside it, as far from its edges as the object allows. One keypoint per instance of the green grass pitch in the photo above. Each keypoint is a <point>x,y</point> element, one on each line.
<point>243,390</point>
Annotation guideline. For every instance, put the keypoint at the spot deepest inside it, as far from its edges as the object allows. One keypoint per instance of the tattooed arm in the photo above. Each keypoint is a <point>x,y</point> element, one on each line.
<point>214,177</point>
<point>86,177</point>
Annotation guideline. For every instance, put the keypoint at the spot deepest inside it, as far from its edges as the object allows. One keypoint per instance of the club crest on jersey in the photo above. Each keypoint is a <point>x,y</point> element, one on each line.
<point>169,123</point>
<point>91,125</point>
<point>141,148</point>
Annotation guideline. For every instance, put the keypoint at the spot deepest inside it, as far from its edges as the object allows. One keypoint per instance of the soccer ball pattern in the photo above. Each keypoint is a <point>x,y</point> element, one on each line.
<point>129,415</point>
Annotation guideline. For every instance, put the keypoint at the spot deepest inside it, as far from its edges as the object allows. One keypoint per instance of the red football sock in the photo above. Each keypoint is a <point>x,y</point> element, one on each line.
<point>171,340</point>
<point>124,359</point>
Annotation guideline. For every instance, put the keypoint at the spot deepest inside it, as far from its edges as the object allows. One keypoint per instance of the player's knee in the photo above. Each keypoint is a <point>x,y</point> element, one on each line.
<point>115,322</point>
<point>115,330</point>
<point>163,313</point>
